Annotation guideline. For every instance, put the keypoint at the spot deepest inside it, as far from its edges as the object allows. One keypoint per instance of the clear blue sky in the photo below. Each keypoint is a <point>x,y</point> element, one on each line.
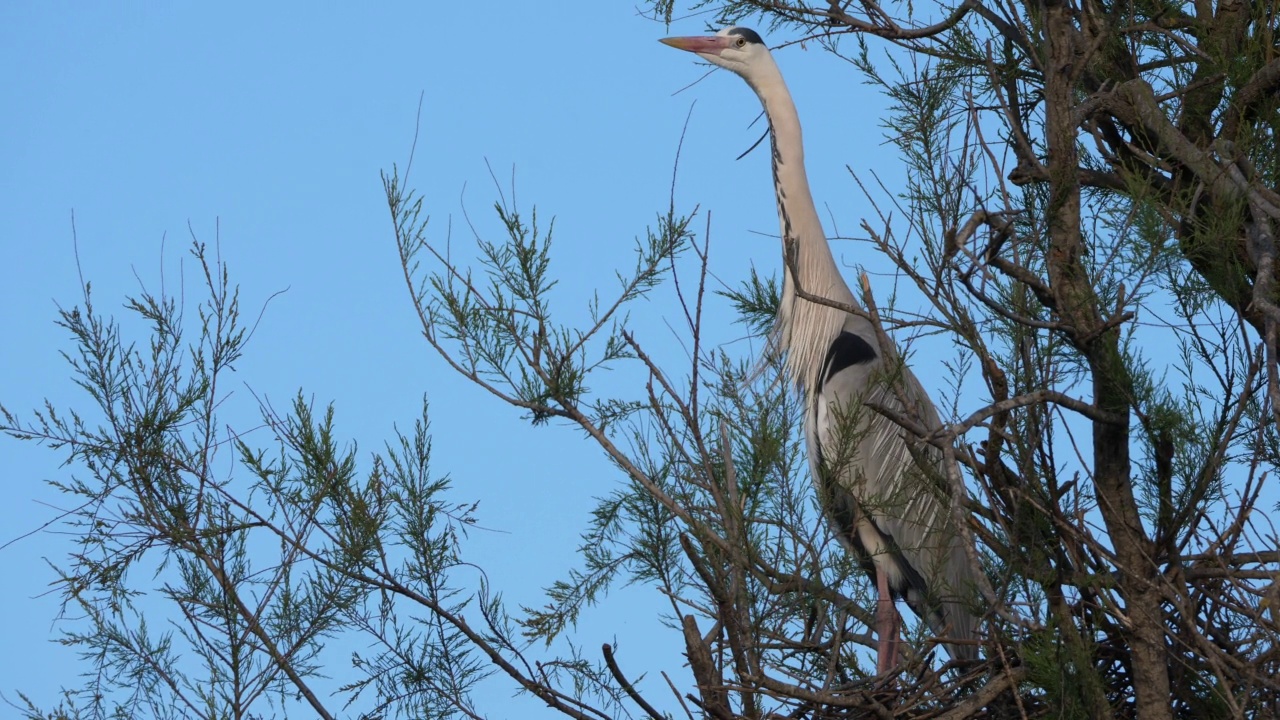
<point>272,121</point>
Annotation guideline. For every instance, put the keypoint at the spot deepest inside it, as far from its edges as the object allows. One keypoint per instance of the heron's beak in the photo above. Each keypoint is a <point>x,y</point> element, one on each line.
<point>708,44</point>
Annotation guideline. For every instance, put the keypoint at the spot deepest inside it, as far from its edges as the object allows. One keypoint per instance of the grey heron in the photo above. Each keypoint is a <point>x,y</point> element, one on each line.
<point>881,492</point>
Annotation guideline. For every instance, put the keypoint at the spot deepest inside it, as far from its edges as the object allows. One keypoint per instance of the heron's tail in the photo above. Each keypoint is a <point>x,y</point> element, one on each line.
<point>951,620</point>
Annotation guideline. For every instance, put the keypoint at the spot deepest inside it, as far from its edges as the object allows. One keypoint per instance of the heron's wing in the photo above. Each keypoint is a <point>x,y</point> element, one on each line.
<point>885,493</point>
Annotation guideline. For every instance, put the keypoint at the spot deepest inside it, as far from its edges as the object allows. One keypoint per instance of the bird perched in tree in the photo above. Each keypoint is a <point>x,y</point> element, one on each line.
<point>882,491</point>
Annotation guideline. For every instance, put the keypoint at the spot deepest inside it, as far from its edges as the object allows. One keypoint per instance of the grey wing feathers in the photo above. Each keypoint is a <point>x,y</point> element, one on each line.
<point>890,505</point>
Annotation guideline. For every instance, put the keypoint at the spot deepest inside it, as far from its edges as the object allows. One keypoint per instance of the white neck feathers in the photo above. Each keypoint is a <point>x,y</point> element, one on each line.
<point>803,329</point>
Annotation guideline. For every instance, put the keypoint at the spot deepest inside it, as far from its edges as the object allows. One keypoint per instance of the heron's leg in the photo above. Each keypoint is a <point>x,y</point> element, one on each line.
<point>886,626</point>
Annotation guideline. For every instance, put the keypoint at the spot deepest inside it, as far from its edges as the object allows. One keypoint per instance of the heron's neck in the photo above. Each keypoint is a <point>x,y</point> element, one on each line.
<point>796,211</point>
<point>804,329</point>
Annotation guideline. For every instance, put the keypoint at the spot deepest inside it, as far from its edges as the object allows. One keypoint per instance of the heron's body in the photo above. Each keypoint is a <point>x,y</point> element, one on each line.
<point>881,492</point>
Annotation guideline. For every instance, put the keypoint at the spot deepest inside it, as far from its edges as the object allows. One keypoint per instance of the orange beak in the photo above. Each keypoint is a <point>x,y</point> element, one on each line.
<point>704,44</point>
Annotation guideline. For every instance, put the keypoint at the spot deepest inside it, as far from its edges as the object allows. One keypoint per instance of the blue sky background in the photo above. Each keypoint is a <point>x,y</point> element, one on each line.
<point>266,126</point>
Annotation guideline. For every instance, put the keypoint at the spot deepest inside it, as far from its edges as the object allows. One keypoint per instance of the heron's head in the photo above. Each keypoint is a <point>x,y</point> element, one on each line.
<point>733,48</point>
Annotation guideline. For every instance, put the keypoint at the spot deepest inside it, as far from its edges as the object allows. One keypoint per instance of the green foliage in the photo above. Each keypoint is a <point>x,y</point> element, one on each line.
<point>1065,672</point>
<point>504,319</point>
<point>205,585</point>
<point>755,302</point>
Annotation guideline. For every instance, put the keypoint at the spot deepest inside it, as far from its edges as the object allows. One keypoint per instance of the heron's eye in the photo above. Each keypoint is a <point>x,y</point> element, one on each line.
<point>741,42</point>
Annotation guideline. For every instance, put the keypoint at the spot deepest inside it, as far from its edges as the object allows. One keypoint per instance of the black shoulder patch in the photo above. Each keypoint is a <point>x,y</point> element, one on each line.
<point>751,35</point>
<point>848,349</point>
